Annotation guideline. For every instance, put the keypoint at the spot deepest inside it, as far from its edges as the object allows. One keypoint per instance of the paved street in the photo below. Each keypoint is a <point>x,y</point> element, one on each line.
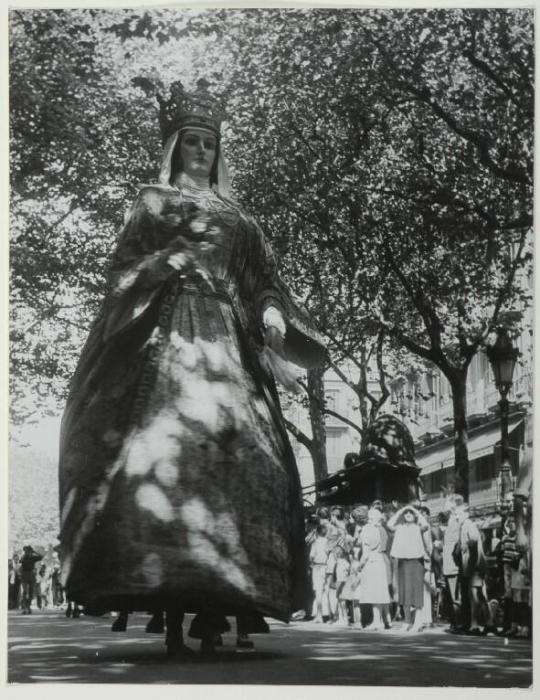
<point>49,647</point>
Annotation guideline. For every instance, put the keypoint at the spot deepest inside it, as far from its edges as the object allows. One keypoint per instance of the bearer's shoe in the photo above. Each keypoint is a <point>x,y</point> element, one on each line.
<point>243,643</point>
<point>120,624</point>
<point>156,625</point>
<point>208,648</point>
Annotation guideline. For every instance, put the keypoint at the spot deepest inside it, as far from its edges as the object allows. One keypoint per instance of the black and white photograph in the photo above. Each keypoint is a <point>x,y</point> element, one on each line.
<point>271,314</point>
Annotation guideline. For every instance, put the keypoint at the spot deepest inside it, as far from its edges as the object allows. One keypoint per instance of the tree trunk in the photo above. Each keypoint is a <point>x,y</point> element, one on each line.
<point>315,386</point>
<point>461,452</point>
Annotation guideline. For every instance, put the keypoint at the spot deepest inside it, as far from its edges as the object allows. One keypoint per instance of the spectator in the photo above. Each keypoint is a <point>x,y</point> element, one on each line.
<point>318,556</point>
<point>521,591</point>
<point>408,548</point>
<point>389,510</point>
<point>516,577</point>
<point>311,523</point>
<point>438,533</point>
<point>385,546</point>
<point>373,588</point>
<point>508,553</point>
<point>311,529</point>
<point>337,518</point>
<point>351,589</point>
<point>360,518</point>
<point>56,585</point>
<point>14,582</point>
<point>334,535</point>
<point>377,505</point>
<point>425,616</point>
<point>43,586</point>
<point>343,567</point>
<point>473,568</point>
<point>28,578</point>
<point>449,566</point>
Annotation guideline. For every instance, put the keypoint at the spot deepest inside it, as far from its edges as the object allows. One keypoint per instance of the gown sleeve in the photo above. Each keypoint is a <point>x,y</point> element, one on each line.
<point>263,287</point>
<point>141,263</point>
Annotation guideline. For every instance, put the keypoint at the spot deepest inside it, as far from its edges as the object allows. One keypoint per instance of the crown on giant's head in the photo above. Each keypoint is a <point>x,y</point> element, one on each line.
<point>189,109</point>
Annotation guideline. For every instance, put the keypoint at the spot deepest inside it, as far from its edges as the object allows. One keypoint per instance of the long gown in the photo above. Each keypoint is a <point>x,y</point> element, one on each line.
<point>178,483</point>
<point>373,586</point>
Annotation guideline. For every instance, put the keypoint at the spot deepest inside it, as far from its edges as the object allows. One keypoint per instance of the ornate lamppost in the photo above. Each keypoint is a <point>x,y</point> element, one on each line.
<point>502,356</point>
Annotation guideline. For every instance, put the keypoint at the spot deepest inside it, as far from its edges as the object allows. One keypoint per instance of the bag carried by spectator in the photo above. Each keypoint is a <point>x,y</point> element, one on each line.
<point>457,555</point>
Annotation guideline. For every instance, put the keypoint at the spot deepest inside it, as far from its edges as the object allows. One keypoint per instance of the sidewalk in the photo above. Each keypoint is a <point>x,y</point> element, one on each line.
<point>50,647</point>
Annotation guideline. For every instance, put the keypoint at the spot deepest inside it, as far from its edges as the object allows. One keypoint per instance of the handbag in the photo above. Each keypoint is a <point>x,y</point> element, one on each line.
<point>457,555</point>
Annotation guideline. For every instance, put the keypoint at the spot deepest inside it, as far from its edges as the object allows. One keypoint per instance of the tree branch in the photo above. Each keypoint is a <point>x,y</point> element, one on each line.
<point>484,68</point>
<point>505,288</point>
<point>423,94</point>
<point>514,173</point>
<point>429,317</point>
<point>385,392</point>
<point>302,438</point>
<point>343,376</point>
<point>329,411</point>
<point>435,356</point>
<point>341,348</point>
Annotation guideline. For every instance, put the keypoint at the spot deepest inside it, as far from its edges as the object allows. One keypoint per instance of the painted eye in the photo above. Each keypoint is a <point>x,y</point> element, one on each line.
<point>210,145</point>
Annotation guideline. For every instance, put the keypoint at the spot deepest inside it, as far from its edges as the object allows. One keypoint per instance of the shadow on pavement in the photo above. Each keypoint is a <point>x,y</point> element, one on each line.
<point>49,647</point>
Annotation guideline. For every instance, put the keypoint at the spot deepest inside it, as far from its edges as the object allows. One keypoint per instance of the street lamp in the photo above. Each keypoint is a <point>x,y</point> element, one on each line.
<point>502,356</point>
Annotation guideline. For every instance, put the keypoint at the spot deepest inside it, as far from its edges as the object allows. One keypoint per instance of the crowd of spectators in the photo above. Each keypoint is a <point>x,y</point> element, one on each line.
<point>377,568</point>
<point>34,582</point>
<point>387,566</point>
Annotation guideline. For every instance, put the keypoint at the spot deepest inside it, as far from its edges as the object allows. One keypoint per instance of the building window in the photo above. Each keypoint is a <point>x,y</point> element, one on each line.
<point>433,482</point>
<point>484,468</point>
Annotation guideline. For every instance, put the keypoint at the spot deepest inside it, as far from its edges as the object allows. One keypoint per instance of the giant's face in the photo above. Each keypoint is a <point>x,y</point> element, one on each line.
<point>198,152</point>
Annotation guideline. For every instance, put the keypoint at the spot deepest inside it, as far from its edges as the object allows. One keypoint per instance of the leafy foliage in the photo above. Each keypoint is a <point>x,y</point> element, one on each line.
<point>33,499</point>
<point>397,175</point>
<point>388,155</point>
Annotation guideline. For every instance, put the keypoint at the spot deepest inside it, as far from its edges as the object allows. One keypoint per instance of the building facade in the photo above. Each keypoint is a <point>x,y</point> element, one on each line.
<point>428,412</point>
<point>424,404</point>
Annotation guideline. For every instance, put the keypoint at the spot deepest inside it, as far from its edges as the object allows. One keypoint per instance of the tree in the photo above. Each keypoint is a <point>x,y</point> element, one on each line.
<point>314,401</point>
<point>82,137</point>
<point>414,178</point>
<point>467,183</point>
<point>392,173</point>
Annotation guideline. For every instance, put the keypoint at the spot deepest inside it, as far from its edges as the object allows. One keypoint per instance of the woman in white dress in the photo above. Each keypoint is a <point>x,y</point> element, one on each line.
<point>373,587</point>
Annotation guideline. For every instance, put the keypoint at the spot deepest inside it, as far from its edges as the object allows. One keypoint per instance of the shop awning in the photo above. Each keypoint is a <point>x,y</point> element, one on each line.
<point>437,459</point>
<point>479,446</point>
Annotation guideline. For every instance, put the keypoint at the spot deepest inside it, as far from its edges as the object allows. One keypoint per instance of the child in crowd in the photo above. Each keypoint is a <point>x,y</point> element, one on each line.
<point>521,591</point>
<point>508,554</point>
<point>343,567</point>
<point>351,590</point>
<point>424,617</point>
<point>318,556</point>
<point>42,586</point>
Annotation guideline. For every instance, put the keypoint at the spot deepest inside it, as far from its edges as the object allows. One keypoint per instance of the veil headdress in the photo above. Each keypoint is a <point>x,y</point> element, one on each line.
<point>197,110</point>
